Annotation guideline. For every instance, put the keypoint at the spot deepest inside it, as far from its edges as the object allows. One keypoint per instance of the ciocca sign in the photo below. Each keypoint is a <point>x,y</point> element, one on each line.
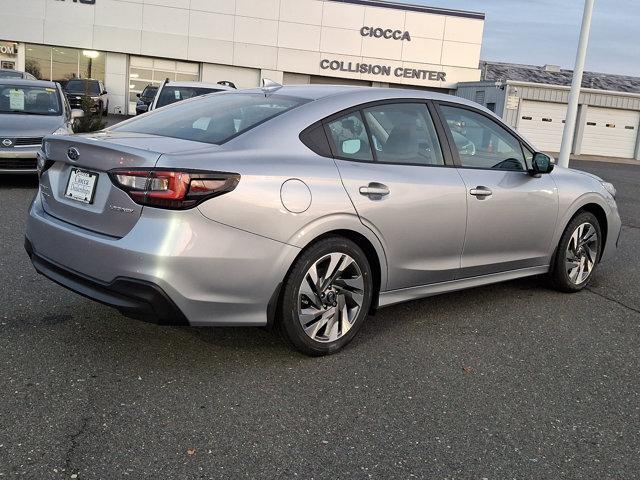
<point>388,33</point>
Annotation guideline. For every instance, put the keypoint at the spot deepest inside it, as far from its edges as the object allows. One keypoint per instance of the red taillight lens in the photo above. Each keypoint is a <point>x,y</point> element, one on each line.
<point>177,190</point>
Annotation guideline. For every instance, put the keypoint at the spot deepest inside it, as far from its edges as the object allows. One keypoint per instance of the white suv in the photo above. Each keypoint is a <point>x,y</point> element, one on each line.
<point>172,92</point>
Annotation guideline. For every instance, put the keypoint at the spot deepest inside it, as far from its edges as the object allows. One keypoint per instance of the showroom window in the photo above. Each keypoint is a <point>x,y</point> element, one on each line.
<point>61,63</point>
<point>145,71</point>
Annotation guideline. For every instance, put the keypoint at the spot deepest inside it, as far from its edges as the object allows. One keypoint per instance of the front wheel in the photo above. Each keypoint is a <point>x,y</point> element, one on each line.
<point>326,296</point>
<point>578,253</point>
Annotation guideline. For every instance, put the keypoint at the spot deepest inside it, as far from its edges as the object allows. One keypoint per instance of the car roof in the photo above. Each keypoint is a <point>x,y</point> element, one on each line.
<point>26,82</point>
<point>198,85</point>
<point>362,94</point>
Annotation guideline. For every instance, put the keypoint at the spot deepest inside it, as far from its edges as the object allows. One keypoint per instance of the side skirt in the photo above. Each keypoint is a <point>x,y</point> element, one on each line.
<point>392,297</point>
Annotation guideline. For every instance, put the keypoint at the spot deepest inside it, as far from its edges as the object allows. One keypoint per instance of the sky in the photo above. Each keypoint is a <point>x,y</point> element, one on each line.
<point>543,32</point>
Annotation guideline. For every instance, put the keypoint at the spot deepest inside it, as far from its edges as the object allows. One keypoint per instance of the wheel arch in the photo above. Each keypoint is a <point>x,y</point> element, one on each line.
<point>369,251</point>
<point>587,205</point>
<point>366,240</point>
<point>597,211</point>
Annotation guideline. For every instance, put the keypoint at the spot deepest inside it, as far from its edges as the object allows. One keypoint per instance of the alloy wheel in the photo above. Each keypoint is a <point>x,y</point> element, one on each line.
<point>330,297</point>
<point>582,253</point>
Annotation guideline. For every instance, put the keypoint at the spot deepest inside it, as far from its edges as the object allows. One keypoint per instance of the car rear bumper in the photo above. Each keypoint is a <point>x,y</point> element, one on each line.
<point>171,268</point>
<point>133,298</point>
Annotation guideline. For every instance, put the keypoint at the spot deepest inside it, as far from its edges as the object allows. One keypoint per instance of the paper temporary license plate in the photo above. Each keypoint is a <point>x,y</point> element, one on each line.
<point>81,185</point>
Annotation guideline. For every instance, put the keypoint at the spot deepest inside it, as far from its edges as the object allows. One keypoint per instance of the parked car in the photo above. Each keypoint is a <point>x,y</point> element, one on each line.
<point>10,73</point>
<point>29,110</point>
<point>145,99</point>
<point>172,92</point>
<point>308,207</point>
<point>76,89</point>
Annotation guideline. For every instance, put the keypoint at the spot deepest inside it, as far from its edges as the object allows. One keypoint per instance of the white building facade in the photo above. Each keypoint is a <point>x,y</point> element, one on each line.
<point>129,44</point>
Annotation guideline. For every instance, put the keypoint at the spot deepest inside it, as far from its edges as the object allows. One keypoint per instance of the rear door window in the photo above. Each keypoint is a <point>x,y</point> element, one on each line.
<point>403,133</point>
<point>349,137</point>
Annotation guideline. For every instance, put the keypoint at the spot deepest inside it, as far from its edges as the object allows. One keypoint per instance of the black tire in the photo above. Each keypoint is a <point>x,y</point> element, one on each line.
<point>288,318</point>
<point>105,112</point>
<point>559,274</point>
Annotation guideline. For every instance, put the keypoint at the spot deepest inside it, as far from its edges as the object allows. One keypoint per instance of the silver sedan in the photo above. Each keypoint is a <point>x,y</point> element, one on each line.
<point>307,208</point>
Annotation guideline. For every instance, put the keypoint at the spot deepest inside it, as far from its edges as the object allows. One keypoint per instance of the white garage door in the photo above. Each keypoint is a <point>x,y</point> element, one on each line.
<point>610,132</point>
<point>542,124</point>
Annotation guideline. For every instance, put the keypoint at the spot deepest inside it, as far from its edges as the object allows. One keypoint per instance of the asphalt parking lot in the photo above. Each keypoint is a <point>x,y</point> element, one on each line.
<point>507,381</point>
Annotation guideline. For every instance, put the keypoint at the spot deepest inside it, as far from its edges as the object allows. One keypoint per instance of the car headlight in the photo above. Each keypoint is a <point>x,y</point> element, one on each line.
<point>61,131</point>
<point>609,188</point>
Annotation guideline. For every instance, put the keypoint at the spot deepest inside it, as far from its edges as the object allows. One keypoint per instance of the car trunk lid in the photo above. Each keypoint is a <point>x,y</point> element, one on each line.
<point>110,210</point>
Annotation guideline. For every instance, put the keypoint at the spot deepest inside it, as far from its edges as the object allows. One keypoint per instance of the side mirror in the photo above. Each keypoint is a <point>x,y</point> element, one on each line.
<point>352,146</point>
<point>138,95</point>
<point>76,113</point>
<point>541,163</point>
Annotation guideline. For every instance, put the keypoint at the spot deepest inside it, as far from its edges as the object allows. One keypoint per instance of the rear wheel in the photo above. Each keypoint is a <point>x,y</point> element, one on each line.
<point>326,296</point>
<point>578,253</point>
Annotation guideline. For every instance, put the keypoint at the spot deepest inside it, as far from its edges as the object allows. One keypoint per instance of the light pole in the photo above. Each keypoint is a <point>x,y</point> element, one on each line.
<point>572,109</point>
<point>90,54</point>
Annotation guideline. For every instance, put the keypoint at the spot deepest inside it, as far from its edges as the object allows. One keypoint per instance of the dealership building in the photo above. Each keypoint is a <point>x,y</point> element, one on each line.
<point>129,44</point>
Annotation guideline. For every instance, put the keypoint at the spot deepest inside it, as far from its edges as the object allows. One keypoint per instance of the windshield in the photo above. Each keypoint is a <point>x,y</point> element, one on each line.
<point>10,74</point>
<point>214,119</point>
<point>35,100</point>
<point>80,86</point>
<point>169,94</point>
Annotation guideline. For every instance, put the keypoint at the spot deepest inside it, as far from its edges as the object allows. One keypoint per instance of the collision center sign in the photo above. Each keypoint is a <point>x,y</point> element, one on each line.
<point>382,70</point>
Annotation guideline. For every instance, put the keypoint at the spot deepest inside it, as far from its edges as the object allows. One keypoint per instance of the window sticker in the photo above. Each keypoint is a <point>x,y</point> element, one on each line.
<point>177,94</point>
<point>52,90</point>
<point>16,99</point>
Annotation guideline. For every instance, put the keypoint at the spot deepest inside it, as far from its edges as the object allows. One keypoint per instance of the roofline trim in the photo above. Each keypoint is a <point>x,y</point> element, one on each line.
<point>568,87</point>
<point>415,8</point>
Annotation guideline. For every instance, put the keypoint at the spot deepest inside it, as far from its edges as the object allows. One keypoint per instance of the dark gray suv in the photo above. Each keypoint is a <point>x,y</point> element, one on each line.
<point>77,89</point>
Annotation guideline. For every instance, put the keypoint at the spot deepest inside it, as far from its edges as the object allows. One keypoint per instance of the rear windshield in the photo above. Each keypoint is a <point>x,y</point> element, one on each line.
<point>81,86</point>
<point>169,94</point>
<point>213,119</point>
<point>31,100</point>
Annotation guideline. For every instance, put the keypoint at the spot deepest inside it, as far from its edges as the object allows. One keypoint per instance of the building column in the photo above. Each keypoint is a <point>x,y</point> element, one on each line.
<point>116,81</point>
<point>21,56</point>
<point>581,121</point>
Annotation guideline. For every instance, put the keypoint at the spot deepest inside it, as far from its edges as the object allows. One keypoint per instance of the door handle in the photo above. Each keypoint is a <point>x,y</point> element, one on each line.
<point>480,191</point>
<point>374,190</point>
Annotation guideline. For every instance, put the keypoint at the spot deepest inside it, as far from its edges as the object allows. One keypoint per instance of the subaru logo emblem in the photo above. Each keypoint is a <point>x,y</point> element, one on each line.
<point>73,154</point>
<point>7,142</point>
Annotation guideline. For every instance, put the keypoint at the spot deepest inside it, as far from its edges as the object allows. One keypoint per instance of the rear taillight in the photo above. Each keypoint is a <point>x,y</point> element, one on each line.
<point>176,190</point>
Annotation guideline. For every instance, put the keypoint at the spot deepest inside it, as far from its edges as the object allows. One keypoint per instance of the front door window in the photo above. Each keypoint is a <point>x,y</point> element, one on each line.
<point>481,142</point>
